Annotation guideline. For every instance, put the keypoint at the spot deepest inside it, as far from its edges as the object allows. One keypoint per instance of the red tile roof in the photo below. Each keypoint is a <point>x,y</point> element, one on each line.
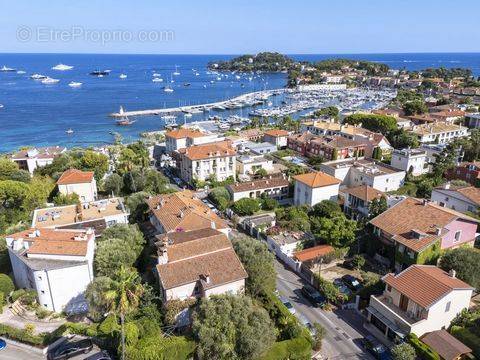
<point>364,192</point>
<point>206,151</point>
<point>425,284</point>
<point>276,133</point>
<point>74,176</point>
<point>259,184</point>
<point>445,345</point>
<point>184,133</point>
<point>317,179</point>
<point>313,252</point>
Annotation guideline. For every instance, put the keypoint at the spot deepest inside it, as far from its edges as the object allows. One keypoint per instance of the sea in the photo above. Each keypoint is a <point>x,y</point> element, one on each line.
<point>35,114</point>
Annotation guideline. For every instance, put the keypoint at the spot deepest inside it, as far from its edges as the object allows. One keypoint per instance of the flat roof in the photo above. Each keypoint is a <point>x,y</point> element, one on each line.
<point>367,166</point>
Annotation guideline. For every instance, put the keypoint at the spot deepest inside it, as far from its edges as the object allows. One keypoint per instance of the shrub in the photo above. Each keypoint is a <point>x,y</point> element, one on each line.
<point>298,349</point>
<point>269,204</point>
<point>358,261</point>
<point>17,294</point>
<point>468,338</point>
<point>29,328</point>
<point>42,313</point>
<point>319,334</point>
<point>422,349</point>
<point>109,325</point>
<point>403,351</point>
<point>20,335</point>
<point>246,206</point>
<point>329,290</point>
<point>6,285</point>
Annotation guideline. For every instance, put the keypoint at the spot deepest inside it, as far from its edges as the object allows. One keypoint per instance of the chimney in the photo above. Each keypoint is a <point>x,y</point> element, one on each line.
<point>206,278</point>
<point>438,231</point>
<point>212,225</point>
<point>452,273</point>
<point>181,215</point>
<point>162,254</point>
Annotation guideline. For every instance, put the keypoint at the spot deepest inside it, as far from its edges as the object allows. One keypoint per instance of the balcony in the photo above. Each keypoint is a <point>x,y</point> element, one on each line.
<point>402,319</point>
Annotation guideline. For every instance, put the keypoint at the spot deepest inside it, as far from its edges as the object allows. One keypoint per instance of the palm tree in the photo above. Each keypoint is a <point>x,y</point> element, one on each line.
<point>124,296</point>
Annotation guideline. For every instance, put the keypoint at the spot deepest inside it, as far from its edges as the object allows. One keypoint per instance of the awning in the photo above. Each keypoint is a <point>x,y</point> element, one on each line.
<point>390,324</point>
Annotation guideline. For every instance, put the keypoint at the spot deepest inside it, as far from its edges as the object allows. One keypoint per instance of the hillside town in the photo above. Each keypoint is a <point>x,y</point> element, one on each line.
<point>342,233</point>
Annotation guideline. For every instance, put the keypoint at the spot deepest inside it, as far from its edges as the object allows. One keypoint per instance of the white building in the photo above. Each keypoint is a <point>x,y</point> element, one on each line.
<point>276,137</point>
<point>352,173</point>
<point>200,162</point>
<point>420,299</point>
<point>78,182</point>
<point>198,264</point>
<point>96,214</point>
<point>460,198</point>
<point>185,137</point>
<point>284,245</point>
<point>250,164</point>
<point>31,159</point>
<point>57,264</point>
<point>312,188</point>
<point>275,188</point>
<point>439,132</point>
<point>414,160</point>
<point>357,201</point>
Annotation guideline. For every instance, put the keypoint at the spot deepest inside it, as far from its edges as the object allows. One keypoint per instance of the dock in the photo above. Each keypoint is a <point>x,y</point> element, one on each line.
<point>244,100</point>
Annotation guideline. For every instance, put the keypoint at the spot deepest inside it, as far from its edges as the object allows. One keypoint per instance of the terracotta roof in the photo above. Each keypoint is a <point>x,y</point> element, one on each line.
<point>471,193</point>
<point>364,192</point>
<point>182,211</point>
<point>446,345</point>
<point>415,214</point>
<point>189,244</point>
<point>276,133</point>
<point>206,151</point>
<point>54,242</point>
<point>184,133</point>
<point>337,142</point>
<point>259,184</point>
<point>436,128</point>
<point>74,176</point>
<point>221,266</point>
<point>317,179</point>
<point>425,284</point>
<point>313,252</point>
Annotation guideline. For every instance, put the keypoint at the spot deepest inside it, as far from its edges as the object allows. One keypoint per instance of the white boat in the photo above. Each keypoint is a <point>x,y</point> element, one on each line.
<point>38,77</point>
<point>156,75</point>
<point>1,106</point>
<point>157,79</point>
<point>123,76</point>
<point>69,131</point>
<point>197,74</point>
<point>62,67</point>
<point>6,69</point>
<point>176,72</point>
<point>75,84</point>
<point>21,72</point>
<point>168,89</point>
<point>237,77</point>
<point>219,78</point>
<point>49,81</point>
<point>187,115</point>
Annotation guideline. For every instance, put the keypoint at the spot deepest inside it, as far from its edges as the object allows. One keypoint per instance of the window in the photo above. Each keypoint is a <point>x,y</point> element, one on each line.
<point>447,306</point>
<point>389,288</point>
<point>458,234</point>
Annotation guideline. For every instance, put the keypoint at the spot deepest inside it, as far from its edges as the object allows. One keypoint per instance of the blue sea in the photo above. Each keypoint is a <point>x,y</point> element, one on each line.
<point>37,114</point>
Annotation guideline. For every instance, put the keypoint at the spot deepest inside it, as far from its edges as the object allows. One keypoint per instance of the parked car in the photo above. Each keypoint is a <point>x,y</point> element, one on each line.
<point>287,304</point>
<point>378,350</point>
<point>71,349</point>
<point>344,289</point>
<point>304,321</point>
<point>102,355</point>
<point>313,296</point>
<point>352,282</point>
<point>3,344</point>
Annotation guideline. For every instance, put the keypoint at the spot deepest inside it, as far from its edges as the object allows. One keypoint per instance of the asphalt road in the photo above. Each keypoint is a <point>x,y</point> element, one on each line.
<point>13,352</point>
<point>343,327</point>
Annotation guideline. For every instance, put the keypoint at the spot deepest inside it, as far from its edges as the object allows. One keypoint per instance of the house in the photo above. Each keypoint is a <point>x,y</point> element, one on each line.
<point>285,244</point>
<point>414,161</point>
<point>200,162</point>
<point>314,187</point>
<point>330,147</point>
<point>461,198</point>
<point>250,164</point>
<point>198,264</point>
<point>274,187</point>
<point>472,120</point>
<point>185,137</point>
<point>31,159</point>
<point>98,214</point>
<point>276,137</point>
<point>357,201</point>
<point>446,345</point>
<point>439,132</point>
<point>260,148</point>
<point>419,300</point>
<point>57,264</point>
<point>468,171</point>
<point>78,182</point>
<point>255,225</point>
<point>310,260</point>
<point>182,211</point>
<point>418,229</point>
<point>251,134</point>
<point>355,172</point>
<point>448,116</point>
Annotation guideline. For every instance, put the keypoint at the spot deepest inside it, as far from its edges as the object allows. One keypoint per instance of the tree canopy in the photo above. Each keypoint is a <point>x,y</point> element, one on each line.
<point>231,327</point>
<point>466,262</point>
<point>373,122</point>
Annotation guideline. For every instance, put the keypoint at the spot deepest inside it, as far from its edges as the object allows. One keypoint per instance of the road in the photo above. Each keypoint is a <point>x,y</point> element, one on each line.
<point>343,338</point>
<point>13,352</point>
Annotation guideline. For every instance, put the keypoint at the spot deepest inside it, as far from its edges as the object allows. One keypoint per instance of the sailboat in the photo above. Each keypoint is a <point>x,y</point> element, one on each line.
<point>123,76</point>
<point>176,72</point>
<point>167,89</point>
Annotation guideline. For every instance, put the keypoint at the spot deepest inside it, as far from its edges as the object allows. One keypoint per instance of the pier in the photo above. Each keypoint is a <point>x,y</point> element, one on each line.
<point>245,100</point>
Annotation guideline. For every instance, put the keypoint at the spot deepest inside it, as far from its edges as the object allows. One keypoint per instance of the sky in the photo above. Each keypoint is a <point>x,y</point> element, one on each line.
<point>237,27</point>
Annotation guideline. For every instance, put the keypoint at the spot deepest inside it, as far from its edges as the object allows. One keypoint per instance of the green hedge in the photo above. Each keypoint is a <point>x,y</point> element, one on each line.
<point>294,349</point>
<point>422,349</point>
<point>468,338</point>
<point>160,348</point>
<point>21,335</point>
